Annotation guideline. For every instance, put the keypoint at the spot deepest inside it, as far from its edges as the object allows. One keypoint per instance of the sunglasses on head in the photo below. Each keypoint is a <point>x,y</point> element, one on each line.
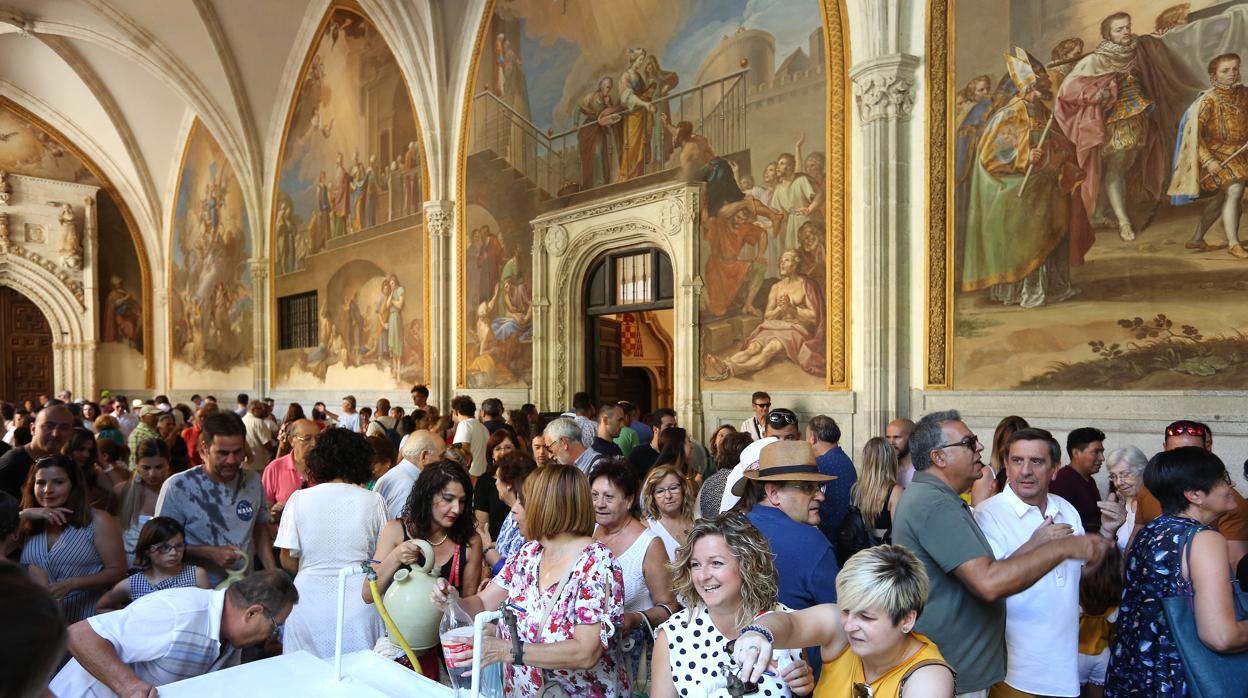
<point>781,417</point>
<point>1193,429</point>
<point>863,690</point>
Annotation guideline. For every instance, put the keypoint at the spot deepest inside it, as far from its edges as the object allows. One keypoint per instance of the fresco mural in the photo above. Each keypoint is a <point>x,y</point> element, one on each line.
<point>28,149</point>
<point>577,100</point>
<point>210,301</point>
<point>1096,179</point>
<point>347,215</point>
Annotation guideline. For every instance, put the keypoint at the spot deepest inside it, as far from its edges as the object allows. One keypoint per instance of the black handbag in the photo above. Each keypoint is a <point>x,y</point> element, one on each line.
<point>1210,674</point>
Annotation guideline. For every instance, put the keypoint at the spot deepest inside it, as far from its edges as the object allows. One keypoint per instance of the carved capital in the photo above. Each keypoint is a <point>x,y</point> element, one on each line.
<point>439,217</point>
<point>259,268</point>
<point>884,87</point>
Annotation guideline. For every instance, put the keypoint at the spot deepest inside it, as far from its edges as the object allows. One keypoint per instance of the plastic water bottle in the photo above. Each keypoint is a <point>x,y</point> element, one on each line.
<point>455,631</point>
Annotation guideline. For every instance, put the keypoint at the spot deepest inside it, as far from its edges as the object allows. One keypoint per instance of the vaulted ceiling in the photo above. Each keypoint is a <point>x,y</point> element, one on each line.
<point>124,79</point>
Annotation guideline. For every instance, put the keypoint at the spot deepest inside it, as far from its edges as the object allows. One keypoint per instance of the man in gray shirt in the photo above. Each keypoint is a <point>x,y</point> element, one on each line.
<point>965,611</point>
<point>220,503</point>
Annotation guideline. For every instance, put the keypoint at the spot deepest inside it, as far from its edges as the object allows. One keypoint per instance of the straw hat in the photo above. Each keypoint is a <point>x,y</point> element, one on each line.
<point>783,461</point>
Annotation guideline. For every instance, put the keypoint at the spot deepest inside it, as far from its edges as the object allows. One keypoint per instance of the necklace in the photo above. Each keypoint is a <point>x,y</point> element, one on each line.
<point>444,536</point>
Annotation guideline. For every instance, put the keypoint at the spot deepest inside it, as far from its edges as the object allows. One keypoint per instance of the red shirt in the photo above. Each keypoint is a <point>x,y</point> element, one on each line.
<point>281,479</point>
<point>191,436</point>
<point>1071,485</point>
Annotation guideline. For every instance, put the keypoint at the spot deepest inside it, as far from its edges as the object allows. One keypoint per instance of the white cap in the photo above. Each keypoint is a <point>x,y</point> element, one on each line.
<point>749,459</point>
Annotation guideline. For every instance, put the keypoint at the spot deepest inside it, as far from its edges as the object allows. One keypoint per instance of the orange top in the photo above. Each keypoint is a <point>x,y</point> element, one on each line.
<point>843,671</point>
<point>1232,525</point>
<point>1095,631</point>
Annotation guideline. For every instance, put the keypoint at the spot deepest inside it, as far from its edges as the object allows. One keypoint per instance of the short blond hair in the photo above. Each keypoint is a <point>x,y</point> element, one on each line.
<point>886,578</point>
<point>556,500</point>
<point>650,507</point>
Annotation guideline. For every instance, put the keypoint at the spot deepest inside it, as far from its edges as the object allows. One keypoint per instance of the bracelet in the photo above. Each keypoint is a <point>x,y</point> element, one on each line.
<point>771,639</point>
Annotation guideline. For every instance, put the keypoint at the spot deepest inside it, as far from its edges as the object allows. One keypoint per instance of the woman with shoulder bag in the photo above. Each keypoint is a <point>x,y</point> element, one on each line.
<point>1180,554</point>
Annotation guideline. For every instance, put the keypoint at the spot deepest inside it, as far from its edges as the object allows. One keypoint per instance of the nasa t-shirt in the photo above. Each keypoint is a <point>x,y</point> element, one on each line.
<point>215,514</point>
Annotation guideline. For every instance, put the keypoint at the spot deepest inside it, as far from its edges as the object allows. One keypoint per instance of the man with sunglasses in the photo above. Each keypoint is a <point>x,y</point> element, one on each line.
<point>174,635</point>
<point>781,426</point>
<point>965,612</point>
<point>760,403</point>
<point>1233,525</point>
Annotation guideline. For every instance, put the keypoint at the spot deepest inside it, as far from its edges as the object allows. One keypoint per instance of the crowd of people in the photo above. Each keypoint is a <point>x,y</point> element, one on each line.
<point>152,542</point>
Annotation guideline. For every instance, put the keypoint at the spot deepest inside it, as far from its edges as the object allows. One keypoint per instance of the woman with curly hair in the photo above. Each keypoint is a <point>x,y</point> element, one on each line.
<point>438,510</point>
<point>324,529</point>
<point>725,575</point>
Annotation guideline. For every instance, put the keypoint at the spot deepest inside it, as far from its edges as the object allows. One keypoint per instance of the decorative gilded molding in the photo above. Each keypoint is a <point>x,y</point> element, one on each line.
<point>74,285</point>
<point>884,87</point>
<point>938,318</point>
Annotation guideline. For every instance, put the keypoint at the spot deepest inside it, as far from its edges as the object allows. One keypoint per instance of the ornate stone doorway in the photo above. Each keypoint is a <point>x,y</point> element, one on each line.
<point>569,244</point>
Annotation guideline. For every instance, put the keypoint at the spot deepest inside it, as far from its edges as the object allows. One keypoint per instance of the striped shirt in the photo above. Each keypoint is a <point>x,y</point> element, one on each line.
<point>141,586</point>
<point>72,555</point>
<point>163,638</point>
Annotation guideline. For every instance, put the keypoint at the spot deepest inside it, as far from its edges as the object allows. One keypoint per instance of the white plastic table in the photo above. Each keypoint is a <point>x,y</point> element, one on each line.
<point>364,675</point>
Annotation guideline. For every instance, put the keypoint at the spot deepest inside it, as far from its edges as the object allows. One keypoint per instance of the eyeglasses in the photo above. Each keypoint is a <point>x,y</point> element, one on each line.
<point>1193,429</point>
<point>805,487</point>
<point>970,441</point>
<point>764,405</point>
<point>166,548</point>
<point>863,690</point>
<point>781,417</point>
<point>276,629</point>
<point>664,491</point>
<point>305,438</point>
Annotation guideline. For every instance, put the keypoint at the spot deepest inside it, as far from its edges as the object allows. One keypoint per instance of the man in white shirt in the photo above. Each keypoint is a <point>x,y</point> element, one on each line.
<point>470,430</point>
<point>1042,621</point>
<point>173,635</point>
<point>756,425</point>
<point>349,419</point>
<point>260,439</point>
<point>126,418</point>
<point>421,448</point>
<point>563,439</point>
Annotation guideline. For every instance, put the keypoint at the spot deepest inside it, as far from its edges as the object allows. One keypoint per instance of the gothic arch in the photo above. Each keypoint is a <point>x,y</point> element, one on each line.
<point>74,335</point>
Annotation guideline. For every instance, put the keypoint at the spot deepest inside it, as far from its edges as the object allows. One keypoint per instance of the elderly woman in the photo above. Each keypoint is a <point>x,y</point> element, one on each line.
<point>566,590</point>
<point>73,549</point>
<point>667,501</point>
<point>1126,471</point>
<point>1194,489</point>
<point>510,473</point>
<point>648,597</point>
<point>867,637</point>
<point>725,575</point>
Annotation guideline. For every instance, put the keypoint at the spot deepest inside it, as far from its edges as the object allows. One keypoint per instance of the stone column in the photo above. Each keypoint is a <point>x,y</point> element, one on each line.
<point>441,351</point>
<point>263,310</point>
<point>884,92</point>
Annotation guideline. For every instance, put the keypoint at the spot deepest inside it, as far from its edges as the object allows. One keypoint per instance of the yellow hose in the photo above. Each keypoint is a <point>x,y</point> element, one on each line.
<point>394,631</point>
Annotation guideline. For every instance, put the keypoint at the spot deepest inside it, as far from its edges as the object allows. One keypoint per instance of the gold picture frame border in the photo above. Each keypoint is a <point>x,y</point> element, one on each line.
<point>938,315</point>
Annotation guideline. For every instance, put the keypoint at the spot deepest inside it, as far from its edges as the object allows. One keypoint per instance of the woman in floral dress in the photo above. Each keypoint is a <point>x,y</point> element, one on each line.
<point>1194,490</point>
<point>564,576</point>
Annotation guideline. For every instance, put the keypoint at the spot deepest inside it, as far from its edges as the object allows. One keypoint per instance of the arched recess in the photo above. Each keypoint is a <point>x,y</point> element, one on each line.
<point>142,251</point>
<point>567,244</point>
<point>74,336</point>
<point>293,83</point>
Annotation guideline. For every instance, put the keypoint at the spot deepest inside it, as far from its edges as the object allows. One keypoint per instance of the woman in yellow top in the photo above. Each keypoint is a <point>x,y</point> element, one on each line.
<point>867,638</point>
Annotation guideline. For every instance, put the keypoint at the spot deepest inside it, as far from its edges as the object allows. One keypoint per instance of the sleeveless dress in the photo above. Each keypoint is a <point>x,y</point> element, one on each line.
<point>73,555</point>
<point>1143,659</point>
<point>841,673</point>
<point>698,662</point>
<point>141,586</point>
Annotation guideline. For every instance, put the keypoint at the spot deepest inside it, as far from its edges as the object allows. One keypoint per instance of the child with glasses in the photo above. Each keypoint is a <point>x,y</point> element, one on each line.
<point>158,557</point>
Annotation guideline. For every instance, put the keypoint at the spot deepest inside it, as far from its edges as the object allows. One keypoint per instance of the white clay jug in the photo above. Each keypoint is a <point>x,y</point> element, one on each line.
<point>407,601</point>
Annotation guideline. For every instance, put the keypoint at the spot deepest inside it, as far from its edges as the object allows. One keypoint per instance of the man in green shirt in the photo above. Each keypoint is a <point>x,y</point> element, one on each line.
<point>627,439</point>
<point>965,611</point>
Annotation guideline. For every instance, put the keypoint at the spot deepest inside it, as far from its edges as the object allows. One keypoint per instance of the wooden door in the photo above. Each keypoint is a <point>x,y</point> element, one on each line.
<point>26,364</point>
<point>607,360</point>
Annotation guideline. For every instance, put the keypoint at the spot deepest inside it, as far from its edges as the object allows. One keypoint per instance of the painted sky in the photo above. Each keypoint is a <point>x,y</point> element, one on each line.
<point>559,70</point>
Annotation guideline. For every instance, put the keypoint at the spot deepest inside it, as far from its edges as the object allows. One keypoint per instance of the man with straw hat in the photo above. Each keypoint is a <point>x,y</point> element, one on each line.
<point>784,494</point>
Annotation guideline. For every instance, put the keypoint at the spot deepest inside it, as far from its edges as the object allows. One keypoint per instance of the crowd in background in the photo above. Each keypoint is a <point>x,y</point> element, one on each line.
<point>161,541</point>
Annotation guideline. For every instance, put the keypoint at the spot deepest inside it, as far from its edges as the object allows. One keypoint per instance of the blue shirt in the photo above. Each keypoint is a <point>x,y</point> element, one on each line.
<point>805,562</point>
<point>644,432</point>
<point>835,492</point>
